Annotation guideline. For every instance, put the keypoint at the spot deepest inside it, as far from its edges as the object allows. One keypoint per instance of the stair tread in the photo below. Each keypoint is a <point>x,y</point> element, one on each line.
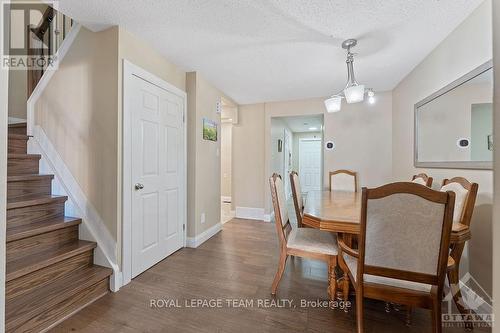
<point>28,264</point>
<point>33,200</point>
<point>18,137</point>
<point>21,124</point>
<point>24,156</point>
<point>24,307</point>
<point>37,228</point>
<point>27,177</point>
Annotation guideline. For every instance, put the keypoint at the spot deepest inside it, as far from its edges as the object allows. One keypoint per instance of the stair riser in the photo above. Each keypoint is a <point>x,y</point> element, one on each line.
<point>64,309</point>
<point>18,146</point>
<point>35,244</point>
<point>44,276</point>
<point>41,186</point>
<point>21,166</point>
<point>25,215</point>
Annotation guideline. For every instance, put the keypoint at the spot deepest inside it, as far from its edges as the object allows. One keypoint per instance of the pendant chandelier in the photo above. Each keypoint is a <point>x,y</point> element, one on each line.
<point>353,92</point>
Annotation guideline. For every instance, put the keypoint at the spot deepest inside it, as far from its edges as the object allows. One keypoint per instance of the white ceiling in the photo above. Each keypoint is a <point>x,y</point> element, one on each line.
<point>301,124</point>
<point>268,50</point>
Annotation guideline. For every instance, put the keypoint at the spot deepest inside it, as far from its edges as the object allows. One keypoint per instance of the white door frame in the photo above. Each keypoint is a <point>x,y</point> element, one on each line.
<point>321,159</point>
<point>129,71</point>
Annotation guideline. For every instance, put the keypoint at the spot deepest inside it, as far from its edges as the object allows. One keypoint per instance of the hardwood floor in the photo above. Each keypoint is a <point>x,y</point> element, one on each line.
<point>238,263</point>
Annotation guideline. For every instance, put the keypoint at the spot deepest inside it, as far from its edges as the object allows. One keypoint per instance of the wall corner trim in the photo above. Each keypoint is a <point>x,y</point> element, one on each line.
<point>196,241</point>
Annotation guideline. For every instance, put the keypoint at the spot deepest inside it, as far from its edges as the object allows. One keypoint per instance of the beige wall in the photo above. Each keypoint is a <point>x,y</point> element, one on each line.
<point>463,50</point>
<point>78,112</point>
<point>496,225</point>
<point>361,132</point>
<point>204,167</point>
<point>248,157</point>
<point>18,81</point>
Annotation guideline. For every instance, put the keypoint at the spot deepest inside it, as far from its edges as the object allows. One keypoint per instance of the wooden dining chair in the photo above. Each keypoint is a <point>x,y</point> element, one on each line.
<point>403,248</point>
<point>301,242</point>
<point>343,180</point>
<point>298,200</point>
<point>422,179</point>
<point>466,193</point>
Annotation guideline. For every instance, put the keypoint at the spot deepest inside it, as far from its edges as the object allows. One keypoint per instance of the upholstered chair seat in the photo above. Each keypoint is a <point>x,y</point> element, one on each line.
<point>313,240</point>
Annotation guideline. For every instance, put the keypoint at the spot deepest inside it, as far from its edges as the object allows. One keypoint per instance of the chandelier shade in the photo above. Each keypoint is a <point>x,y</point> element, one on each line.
<point>353,92</point>
<point>333,104</point>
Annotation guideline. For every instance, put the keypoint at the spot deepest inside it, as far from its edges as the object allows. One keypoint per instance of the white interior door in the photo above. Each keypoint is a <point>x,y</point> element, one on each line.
<point>157,172</point>
<point>310,164</point>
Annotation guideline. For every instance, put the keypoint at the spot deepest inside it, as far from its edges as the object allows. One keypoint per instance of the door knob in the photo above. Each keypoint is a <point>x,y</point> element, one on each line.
<point>139,186</point>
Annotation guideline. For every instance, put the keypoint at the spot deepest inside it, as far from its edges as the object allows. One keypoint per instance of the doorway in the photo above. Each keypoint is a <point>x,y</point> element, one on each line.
<point>154,164</point>
<point>297,143</point>
<point>229,117</point>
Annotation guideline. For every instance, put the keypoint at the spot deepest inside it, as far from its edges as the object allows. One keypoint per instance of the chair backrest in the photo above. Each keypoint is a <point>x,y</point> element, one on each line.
<point>465,198</point>
<point>280,210</point>
<point>405,233</point>
<point>422,179</point>
<point>343,180</point>
<point>298,201</point>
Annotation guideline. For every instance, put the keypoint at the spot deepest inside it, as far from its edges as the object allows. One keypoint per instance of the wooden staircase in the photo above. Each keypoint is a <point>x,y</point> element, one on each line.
<point>50,272</point>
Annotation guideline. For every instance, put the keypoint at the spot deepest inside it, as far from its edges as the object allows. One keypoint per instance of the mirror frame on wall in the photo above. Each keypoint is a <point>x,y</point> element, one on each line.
<point>477,165</point>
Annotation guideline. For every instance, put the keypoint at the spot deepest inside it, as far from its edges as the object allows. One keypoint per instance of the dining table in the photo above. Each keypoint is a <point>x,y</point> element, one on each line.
<point>340,212</point>
<point>334,211</point>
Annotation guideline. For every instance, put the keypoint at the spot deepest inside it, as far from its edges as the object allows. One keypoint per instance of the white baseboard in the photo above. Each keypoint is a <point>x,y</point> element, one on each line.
<point>194,242</point>
<point>251,213</point>
<point>78,205</point>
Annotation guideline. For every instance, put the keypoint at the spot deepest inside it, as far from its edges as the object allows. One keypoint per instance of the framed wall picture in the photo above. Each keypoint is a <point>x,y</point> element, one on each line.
<point>209,130</point>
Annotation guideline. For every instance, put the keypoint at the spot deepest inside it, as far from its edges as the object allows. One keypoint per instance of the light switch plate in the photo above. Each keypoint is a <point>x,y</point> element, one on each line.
<point>202,218</point>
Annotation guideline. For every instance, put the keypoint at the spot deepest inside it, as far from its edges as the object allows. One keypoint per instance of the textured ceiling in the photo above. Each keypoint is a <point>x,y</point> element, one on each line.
<point>258,50</point>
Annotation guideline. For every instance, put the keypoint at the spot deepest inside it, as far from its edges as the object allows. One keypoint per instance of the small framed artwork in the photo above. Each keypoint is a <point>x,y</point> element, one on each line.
<point>209,130</point>
<point>280,145</point>
<point>490,142</point>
